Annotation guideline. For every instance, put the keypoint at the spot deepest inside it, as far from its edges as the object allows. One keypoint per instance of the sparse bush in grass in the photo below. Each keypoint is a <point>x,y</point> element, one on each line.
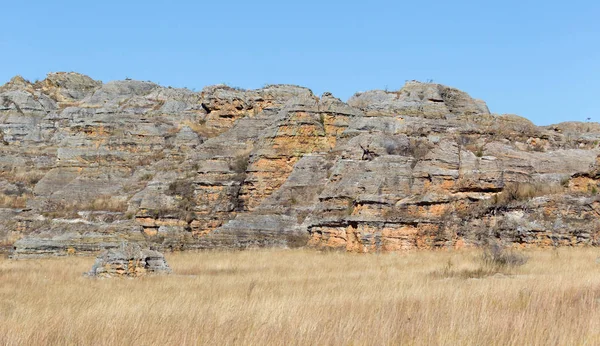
<point>296,240</point>
<point>467,273</point>
<point>497,257</point>
<point>335,297</point>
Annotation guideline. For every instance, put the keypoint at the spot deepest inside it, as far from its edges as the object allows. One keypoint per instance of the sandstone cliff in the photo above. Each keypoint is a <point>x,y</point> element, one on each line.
<point>85,165</point>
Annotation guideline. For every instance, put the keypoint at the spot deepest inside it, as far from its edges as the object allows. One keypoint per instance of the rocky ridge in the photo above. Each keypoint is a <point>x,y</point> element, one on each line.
<point>86,165</point>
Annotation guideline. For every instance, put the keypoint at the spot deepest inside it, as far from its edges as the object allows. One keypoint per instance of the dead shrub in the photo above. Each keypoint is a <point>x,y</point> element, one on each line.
<point>350,207</point>
<point>29,177</point>
<point>69,209</point>
<point>182,188</point>
<point>146,177</point>
<point>13,201</point>
<point>106,203</point>
<point>392,147</point>
<point>239,164</point>
<point>464,140</point>
<point>448,271</point>
<point>294,241</point>
<point>538,147</point>
<point>478,150</point>
<point>497,256</point>
<point>184,191</point>
<point>419,148</point>
<point>495,259</point>
<point>519,192</point>
<point>201,128</point>
<point>150,159</point>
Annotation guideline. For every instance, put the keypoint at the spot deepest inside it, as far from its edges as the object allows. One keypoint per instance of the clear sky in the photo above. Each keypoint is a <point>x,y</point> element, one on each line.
<point>538,59</point>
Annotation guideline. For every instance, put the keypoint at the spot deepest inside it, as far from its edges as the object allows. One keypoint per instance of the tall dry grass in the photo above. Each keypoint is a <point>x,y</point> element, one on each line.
<point>306,298</point>
<point>8,201</point>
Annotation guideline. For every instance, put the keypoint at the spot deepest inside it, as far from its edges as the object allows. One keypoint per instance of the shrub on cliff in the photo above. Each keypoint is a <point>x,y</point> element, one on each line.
<point>183,190</point>
<point>239,164</point>
<point>519,192</point>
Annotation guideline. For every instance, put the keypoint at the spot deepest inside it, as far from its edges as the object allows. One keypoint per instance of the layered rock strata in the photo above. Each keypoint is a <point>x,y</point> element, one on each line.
<point>85,165</point>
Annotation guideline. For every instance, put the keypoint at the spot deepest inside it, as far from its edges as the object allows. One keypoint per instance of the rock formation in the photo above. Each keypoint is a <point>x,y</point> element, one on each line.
<point>86,165</point>
<point>129,260</point>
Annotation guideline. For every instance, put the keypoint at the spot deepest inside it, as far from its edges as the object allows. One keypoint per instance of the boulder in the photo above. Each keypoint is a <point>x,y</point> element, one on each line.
<point>130,260</point>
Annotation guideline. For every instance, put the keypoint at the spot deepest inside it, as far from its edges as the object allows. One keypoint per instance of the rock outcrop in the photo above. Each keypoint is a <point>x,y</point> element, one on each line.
<point>86,165</point>
<point>129,260</point>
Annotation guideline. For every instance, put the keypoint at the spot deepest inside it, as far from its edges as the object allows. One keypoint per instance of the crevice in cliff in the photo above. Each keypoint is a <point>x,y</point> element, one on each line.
<point>206,109</point>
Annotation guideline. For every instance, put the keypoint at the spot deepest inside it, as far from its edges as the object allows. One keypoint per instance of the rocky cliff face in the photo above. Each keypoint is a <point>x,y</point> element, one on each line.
<point>86,165</point>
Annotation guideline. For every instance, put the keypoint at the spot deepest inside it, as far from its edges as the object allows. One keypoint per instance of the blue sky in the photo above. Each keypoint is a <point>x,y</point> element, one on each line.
<point>538,59</point>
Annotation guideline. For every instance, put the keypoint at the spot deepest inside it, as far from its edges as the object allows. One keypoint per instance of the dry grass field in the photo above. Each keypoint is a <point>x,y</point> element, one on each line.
<point>307,298</point>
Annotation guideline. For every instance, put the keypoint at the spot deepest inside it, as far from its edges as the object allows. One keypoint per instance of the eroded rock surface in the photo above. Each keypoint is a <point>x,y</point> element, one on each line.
<point>129,260</point>
<point>86,165</point>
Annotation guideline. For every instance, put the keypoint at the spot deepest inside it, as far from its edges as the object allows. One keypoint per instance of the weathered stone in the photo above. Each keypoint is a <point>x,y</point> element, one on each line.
<point>85,166</point>
<point>129,260</point>
<point>427,100</point>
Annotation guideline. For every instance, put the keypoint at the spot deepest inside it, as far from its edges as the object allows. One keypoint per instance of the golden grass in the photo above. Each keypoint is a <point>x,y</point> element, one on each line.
<point>306,298</point>
<point>525,191</point>
<point>7,201</point>
<point>106,203</point>
<point>25,175</point>
<point>100,203</point>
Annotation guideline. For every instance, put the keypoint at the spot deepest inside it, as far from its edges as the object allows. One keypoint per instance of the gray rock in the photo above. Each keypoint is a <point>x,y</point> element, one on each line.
<point>119,91</point>
<point>85,166</point>
<point>71,86</point>
<point>129,260</point>
<point>418,99</point>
